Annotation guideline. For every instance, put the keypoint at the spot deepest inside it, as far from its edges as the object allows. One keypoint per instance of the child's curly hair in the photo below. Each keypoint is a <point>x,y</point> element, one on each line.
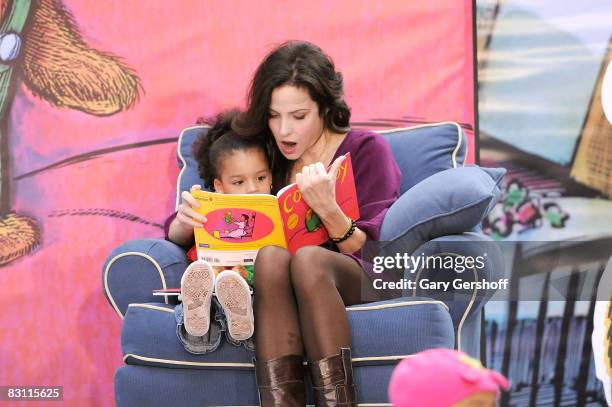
<point>219,140</point>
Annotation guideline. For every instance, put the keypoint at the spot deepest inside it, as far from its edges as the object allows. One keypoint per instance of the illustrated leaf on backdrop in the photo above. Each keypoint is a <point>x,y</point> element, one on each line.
<point>40,43</point>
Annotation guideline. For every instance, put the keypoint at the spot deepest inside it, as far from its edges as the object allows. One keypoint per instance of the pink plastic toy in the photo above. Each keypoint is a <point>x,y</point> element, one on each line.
<point>444,378</point>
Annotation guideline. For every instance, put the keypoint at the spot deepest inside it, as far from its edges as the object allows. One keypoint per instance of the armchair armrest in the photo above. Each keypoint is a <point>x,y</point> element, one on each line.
<point>469,244</point>
<point>136,268</point>
<point>463,294</point>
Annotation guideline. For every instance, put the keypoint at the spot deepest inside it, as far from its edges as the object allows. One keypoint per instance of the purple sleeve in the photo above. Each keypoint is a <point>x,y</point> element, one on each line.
<point>167,225</point>
<point>377,180</point>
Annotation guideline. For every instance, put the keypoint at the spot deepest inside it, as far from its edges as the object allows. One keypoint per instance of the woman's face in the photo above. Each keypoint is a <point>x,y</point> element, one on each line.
<point>294,120</point>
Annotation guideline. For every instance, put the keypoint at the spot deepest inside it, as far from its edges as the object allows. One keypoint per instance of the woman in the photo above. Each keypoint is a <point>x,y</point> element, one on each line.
<point>296,101</point>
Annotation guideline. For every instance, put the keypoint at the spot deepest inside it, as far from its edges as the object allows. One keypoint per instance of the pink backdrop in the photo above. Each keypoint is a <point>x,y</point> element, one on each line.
<point>404,61</point>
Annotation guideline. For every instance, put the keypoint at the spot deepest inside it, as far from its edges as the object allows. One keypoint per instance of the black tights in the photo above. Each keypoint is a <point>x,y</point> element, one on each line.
<point>300,301</point>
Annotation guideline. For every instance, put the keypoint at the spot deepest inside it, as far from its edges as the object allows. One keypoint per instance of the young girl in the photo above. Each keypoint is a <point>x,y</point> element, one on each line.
<point>229,164</point>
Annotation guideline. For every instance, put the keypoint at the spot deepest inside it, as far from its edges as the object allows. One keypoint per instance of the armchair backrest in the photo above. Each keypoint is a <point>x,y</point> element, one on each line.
<point>422,151</point>
<point>419,151</point>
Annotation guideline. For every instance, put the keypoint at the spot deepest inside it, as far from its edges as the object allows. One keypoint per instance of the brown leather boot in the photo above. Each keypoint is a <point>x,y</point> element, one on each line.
<point>332,380</point>
<point>281,381</point>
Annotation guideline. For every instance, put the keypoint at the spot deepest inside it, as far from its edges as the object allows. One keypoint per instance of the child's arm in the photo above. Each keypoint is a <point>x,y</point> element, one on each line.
<point>181,228</point>
<point>180,233</point>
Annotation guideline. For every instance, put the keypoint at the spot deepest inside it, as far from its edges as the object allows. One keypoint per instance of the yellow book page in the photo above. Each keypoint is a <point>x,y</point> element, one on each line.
<point>237,226</point>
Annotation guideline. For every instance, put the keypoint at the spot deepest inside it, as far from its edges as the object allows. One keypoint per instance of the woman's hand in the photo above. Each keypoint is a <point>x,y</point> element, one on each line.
<point>181,228</point>
<point>318,187</point>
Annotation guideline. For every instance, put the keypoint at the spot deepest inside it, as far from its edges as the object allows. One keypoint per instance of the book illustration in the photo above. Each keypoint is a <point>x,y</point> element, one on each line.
<point>310,229</point>
<point>238,225</point>
<point>312,221</point>
<point>243,229</point>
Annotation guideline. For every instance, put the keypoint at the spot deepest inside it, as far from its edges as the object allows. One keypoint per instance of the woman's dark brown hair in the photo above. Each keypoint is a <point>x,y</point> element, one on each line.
<point>215,143</point>
<point>304,65</point>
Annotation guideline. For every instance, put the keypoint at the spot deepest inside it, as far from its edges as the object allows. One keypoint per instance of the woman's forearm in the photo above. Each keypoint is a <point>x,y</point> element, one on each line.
<point>354,243</point>
<point>337,223</point>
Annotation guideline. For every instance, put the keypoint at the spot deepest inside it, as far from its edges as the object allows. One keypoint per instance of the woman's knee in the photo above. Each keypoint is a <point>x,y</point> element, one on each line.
<point>310,268</point>
<point>270,256</point>
<point>272,268</point>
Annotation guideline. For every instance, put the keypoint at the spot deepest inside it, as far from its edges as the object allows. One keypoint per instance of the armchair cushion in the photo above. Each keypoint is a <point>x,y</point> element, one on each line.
<point>159,372</point>
<point>449,202</point>
<point>149,334</point>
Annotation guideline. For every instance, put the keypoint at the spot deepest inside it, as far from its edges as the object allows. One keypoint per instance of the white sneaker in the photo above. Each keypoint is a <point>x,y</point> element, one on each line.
<point>197,286</point>
<point>234,295</point>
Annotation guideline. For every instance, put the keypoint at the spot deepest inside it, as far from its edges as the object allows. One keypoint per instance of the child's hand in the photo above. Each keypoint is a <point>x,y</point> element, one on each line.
<point>187,217</point>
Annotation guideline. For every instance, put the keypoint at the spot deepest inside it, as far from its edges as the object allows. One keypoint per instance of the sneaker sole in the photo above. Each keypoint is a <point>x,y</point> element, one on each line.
<point>197,288</point>
<point>234,295</point>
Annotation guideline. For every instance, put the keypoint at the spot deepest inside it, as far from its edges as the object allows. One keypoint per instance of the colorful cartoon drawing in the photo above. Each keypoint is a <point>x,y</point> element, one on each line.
<point>41,44</point>
<point>521,212</point>
<point>244,226</point>
<point>516,193</point>
<point>311,221</point>
<point>528,215</point>
<point>555,215</point>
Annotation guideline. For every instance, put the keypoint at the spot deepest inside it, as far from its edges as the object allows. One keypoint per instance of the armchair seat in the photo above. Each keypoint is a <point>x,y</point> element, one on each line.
<point>384,333</point>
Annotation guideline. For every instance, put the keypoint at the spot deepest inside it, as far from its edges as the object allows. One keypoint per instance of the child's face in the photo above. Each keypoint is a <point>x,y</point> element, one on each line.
<point>244,172</point>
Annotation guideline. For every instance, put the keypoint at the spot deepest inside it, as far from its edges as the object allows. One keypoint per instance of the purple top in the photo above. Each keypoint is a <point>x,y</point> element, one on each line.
<point>377,180</point>
<point>377,177</point>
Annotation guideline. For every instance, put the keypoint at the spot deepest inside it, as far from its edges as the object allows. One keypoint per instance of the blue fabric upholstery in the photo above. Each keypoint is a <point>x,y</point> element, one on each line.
<point>432,208</point>
<point>465,306</point>
<point>134,269</point>
<point>149,339</point>
<point>188,175</point>
<point>159,372</point>
<point>426,150</point>
<point>466,244</point>
<point>158,387</point>
<point>149,330</point>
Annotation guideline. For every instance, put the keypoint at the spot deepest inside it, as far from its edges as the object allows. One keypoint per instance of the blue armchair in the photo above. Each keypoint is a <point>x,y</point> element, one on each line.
<point>441,208</point>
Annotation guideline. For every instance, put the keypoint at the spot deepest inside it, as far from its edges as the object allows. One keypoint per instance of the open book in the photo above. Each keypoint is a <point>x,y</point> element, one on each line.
<point>239,225</point>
